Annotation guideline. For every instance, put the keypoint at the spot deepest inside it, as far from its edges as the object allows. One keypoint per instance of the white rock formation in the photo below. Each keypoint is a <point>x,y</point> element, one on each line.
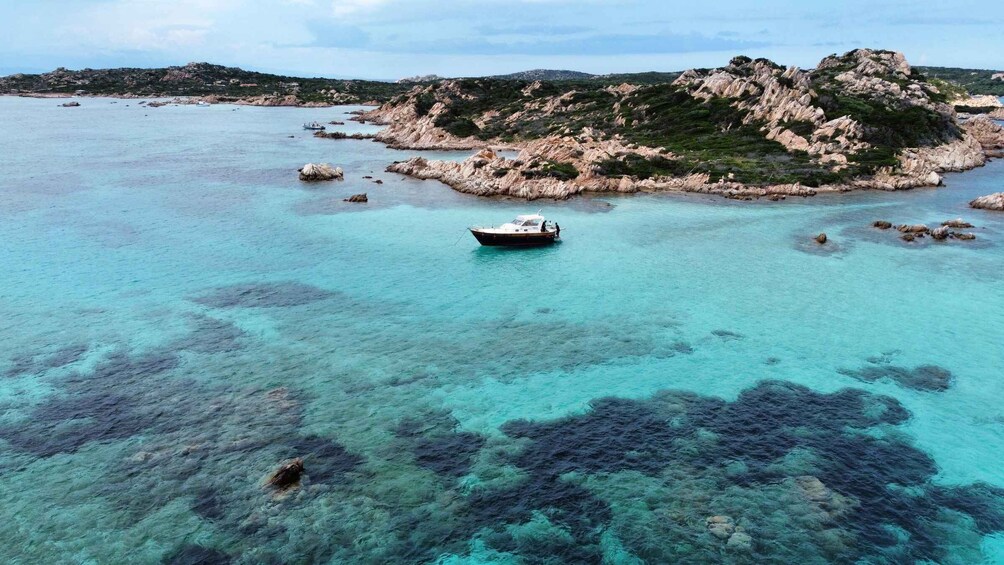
<point>318,172</point>
<point>993,201</point>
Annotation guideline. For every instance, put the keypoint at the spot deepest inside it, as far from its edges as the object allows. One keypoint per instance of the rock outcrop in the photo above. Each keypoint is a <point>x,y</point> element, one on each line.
<point>993,201</point>
<point>988,133</point>
<point>863,120</point>
<point>312,172</point>
<point>287,475</point>
<point>957,223</point>
<point>342,135</point>
<point>357,198</point>
<point>536,173</point>
<point>979,101</point>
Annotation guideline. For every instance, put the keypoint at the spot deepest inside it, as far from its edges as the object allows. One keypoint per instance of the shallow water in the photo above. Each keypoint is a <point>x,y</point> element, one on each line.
<point>183,315</point>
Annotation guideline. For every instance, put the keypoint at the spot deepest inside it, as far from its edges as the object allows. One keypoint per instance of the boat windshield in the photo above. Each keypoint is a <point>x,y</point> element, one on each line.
<point>531,223</point>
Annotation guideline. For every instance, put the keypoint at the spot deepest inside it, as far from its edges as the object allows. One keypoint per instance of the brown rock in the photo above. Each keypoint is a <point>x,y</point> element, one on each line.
<point>722,527</point>
<point>821,238</point>
<point>964,236</point>
<point>940,233</point>
<point>882,224</point>
<point>957,223</point>
<point>357,198</point>
<point>287,475</point>
<point>907,237</point>
<point>916,228</point>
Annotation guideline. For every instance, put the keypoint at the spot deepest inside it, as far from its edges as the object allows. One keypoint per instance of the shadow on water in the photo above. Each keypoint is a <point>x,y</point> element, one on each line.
<point>492,253</point>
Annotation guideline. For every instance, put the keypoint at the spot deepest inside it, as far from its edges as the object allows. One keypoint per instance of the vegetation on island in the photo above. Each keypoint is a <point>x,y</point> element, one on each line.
<point>975,81</point>
<point>199,79</point>
<point>713,135</point>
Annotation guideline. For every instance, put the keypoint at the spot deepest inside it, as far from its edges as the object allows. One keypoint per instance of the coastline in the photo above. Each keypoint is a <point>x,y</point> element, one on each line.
<point>261,100</point>
<point>573,161</point>
<point>488,174</point>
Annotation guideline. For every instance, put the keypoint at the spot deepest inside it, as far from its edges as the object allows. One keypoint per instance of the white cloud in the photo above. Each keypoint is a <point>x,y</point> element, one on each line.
<point>347,7</point>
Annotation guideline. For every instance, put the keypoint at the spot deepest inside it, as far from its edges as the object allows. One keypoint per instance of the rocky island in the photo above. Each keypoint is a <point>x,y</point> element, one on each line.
<point>862,120</point>
<point>201,81</point>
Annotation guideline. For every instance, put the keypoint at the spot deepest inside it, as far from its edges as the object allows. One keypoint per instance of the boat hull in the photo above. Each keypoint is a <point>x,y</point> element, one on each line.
<point>525,239</point>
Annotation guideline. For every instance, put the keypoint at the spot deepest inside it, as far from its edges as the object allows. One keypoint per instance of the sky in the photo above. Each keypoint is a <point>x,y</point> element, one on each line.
<point>389,39</point>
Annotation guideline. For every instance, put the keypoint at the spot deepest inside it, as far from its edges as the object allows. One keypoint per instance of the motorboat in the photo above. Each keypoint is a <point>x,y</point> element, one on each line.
<point>202,103</point>
<point>313,126</point>
<point>525,230</point>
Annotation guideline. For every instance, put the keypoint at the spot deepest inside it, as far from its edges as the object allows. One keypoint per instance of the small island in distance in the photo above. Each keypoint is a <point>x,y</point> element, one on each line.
<point>753,128</point>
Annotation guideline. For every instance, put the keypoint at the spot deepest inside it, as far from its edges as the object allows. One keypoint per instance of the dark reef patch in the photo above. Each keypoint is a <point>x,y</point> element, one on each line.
<point>34,363</point>
<point>922,377</point>
<point>683,348</point>
<point>437,445</point>
<point>208,504</point>
<point>864,484</point>
<point>727,335</point>
<point>191,554</point>
<point>93,407</point>
<point>324,459</point>
<point>263,295</point>
<point>211,335</point>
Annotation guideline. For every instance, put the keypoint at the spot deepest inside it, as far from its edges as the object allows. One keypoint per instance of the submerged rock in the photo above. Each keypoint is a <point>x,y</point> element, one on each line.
<point>957,223</point>
<point>318,172</point>
<point>287,475</point>
<point>740,541</point>
<point>882,224</point>
<point>821,238</point>
<point>993,201</point>
<point>357,198</point>
<point>722,527</point>
<point>73,104</point>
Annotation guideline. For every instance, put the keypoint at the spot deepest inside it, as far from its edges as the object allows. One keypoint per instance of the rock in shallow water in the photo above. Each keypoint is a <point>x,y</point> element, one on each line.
<point>722,527</point>
<point>740,541</point>
<point>993,201</point>
<point>287,475</point>
<point>957,223</point>
<point>319,172</point>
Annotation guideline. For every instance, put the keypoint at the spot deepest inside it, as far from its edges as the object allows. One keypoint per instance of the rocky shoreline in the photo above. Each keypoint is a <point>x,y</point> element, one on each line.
<point>780,100</point>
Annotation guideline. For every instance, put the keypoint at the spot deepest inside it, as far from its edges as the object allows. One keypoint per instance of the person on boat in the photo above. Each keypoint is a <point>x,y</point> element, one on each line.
<point>557,230</point>
<point>543,226</point>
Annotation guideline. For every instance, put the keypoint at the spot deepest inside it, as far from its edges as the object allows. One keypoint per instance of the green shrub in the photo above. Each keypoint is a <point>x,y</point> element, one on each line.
<point>552,169</point>
<point>423,103</point>
<point>635,165</point>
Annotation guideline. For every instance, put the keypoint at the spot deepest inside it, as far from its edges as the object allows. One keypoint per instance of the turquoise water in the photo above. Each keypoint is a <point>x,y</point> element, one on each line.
<point>182,316</point>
